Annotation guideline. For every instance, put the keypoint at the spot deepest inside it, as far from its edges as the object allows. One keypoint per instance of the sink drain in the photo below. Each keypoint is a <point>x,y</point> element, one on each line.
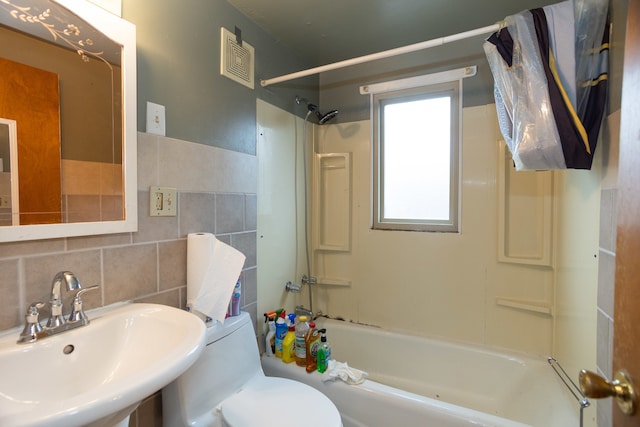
<point>68,349</point>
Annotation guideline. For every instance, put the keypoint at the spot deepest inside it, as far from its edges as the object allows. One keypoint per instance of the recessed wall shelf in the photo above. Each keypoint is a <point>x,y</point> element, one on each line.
<point>525,213</point>
<point>526,305</point>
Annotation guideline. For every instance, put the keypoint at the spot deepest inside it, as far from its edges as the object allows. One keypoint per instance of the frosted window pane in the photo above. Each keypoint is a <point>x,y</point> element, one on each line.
<point>417,150</point>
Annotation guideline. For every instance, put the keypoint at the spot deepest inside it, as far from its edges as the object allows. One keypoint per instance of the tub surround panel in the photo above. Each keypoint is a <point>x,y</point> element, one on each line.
<point>279,205</point>
<point>415,281</point>
<point>576,269</point>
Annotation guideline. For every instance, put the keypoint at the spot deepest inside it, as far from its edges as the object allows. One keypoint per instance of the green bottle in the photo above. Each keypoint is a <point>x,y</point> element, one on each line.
<point>324,352</point>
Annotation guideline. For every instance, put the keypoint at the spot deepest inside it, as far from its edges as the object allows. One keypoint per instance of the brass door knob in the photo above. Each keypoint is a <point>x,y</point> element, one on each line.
<point>596,387</point>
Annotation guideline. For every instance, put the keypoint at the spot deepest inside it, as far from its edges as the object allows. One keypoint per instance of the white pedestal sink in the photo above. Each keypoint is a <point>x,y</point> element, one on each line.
<point>96,375</point>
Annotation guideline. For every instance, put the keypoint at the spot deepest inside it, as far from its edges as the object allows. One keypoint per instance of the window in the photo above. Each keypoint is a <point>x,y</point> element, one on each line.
<point>416,146</point>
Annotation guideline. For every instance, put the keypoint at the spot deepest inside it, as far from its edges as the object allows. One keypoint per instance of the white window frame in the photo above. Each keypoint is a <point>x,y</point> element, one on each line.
<point>422,87</point>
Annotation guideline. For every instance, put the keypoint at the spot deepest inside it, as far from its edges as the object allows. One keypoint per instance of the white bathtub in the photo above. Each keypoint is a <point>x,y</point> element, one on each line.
<point>416,381</point>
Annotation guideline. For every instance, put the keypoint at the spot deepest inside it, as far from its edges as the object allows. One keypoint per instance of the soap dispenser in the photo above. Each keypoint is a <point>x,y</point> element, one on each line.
<point>324,352</point>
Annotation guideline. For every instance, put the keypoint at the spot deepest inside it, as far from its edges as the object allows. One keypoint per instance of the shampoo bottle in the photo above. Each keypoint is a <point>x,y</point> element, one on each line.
<point>324,352</point>
<point>312,342</point>
<point>235,299</point>
<point>288,345</point>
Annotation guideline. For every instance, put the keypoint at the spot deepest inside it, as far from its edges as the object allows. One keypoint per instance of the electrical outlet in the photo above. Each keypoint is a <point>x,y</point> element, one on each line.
<point>158,196</point>
<point>155,119</point>
<point>163,201</point>
<point>5,201</point>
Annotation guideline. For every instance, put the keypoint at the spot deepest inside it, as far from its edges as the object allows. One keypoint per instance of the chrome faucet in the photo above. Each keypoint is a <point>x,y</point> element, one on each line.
<point>301,310</point>
<point>72,283</point>
<point>33,330</point>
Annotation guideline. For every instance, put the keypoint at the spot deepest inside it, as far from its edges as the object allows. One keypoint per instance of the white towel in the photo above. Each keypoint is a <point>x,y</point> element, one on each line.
<point>340,370</point>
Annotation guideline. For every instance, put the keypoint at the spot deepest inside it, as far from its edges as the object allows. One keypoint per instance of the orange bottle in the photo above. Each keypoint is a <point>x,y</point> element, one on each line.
<point>312,343</point>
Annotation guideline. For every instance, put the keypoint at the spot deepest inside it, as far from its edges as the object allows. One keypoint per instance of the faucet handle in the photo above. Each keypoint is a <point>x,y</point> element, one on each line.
<point>32,325</point>
<point>33,311</point>
<point>77,312</point>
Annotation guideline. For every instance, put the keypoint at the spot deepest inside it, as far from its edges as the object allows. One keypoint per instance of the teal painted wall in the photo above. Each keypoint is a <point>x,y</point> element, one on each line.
<point>178,67</point>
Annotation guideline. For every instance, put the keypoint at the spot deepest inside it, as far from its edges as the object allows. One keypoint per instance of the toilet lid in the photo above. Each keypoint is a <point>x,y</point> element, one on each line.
<point>275,402</point>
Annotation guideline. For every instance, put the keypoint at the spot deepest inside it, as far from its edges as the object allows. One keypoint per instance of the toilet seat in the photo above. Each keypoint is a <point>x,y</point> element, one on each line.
<point>274,402</point>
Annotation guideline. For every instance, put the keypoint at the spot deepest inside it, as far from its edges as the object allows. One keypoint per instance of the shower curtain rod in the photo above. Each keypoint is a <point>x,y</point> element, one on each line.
<point>385,54</point>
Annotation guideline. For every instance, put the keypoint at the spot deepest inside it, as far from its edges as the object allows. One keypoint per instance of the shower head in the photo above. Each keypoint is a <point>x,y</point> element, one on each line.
<point>322,118</point>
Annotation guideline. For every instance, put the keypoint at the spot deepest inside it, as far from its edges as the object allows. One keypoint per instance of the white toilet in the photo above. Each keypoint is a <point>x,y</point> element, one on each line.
<point>226,387</point>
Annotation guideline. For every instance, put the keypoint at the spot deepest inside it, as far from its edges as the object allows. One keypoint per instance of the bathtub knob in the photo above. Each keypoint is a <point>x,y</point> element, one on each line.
<point>596,387</point>
<point>292,287</point>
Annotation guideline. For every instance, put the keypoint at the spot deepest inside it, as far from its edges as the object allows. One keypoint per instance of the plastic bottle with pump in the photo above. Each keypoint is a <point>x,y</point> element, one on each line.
<point>301,329</point>
<point>312,342</point>
<point>281,331</point>
<point>324,352</point>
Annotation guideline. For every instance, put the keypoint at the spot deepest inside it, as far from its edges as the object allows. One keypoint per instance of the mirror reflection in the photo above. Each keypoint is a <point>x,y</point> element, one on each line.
<point>62,85</point>
<point>8,173</point>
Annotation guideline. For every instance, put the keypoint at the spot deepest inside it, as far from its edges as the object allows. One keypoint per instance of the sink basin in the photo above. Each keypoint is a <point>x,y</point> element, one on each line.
<point>97,374</point>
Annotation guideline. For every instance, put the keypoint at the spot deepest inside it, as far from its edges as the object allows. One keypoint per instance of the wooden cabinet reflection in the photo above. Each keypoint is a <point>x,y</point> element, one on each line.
<point>30,96</point>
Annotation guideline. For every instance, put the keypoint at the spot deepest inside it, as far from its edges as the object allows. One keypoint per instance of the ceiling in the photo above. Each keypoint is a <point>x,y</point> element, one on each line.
<point>326,31</point>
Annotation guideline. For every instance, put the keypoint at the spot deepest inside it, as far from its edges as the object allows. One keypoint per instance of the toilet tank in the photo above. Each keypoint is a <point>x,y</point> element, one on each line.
<point>230,359</point>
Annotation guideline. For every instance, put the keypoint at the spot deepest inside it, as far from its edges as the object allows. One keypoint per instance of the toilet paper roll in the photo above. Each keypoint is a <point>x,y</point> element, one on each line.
<point>213,268</point>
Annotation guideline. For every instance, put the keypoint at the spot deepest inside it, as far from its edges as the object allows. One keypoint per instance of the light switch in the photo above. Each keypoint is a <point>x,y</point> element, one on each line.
<point>155,119</point>
<point>162,201</point>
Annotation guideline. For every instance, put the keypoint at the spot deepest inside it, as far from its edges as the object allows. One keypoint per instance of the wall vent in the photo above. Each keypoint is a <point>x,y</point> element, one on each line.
<point>236,61</point>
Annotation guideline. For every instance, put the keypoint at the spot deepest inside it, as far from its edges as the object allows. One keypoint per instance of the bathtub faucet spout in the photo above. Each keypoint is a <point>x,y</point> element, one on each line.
<point>301,311</point>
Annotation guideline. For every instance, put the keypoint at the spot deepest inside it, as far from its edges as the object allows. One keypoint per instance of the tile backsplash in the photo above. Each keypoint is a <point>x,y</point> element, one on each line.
<point>216,194</point>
